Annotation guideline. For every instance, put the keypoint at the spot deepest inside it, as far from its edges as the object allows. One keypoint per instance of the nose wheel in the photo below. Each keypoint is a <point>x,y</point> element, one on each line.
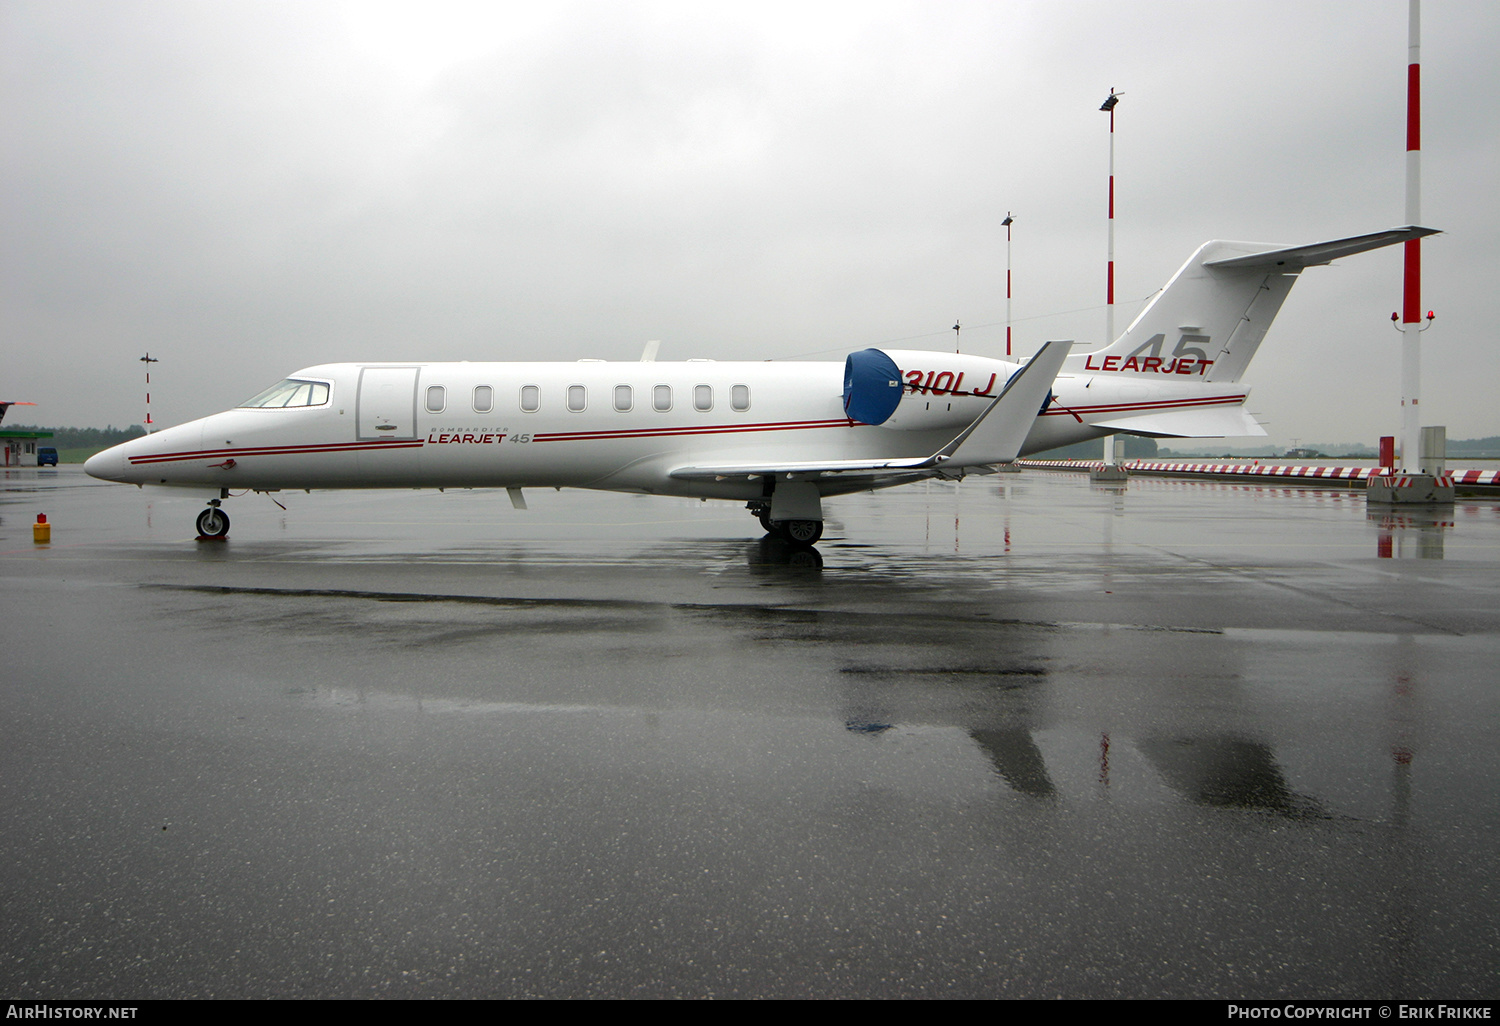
<point>213,523</point>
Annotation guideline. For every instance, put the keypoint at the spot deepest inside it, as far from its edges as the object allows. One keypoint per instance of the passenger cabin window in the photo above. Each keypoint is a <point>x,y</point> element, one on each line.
<point>623,398</point>
<point>703,398</point>
<point>289,393</point>
<point>578,398</point>
<point>437,398</point>
<point>661,398</point>
<point>739,398</point>
<point>484,398</point>
<point>531,398</point>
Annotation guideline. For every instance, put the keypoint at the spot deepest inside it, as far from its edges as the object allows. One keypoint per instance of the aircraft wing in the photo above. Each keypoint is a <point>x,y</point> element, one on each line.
<point>807,468</point>
<point>995,436</point>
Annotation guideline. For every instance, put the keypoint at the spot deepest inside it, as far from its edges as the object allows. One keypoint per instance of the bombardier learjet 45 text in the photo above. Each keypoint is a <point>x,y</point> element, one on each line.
<point>778,437</point>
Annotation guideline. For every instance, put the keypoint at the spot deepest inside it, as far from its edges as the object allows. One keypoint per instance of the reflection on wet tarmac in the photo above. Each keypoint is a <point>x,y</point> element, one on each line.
<point>1017,759</point>
<point>771,552</point>
<point>917,669</point>
<point>1410,533</point>
<point>1227,772</point>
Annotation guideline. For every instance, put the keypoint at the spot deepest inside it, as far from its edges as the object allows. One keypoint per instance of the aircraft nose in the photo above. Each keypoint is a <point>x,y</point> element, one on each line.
<point>108,465</point>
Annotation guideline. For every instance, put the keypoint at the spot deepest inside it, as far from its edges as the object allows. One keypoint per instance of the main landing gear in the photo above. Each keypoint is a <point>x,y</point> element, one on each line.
<point>213,523</point>
<point>800,532</point>
<point>793,532</point>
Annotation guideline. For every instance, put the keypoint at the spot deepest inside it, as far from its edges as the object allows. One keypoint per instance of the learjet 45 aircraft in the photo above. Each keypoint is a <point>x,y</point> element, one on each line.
<point>778,437</point>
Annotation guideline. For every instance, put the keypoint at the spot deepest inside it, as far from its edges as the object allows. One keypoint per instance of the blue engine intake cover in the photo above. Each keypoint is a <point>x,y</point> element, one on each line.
<point>872,386</point>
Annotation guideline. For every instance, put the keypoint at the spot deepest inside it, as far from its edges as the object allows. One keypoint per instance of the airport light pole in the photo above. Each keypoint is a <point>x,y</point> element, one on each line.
<point>1109,279</point>
<point>148,360</point>
<point>1009,219</point>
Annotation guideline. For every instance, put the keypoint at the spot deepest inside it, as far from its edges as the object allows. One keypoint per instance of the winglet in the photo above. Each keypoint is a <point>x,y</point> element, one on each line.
<point>997,434</point>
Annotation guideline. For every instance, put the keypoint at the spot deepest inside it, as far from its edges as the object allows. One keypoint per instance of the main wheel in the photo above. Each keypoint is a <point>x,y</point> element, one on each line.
<point>801,532</point>
<point>213,523</point>
<point>764,516</point>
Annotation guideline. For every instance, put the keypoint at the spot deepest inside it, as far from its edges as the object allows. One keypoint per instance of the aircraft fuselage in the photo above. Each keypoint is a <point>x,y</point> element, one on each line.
<point>606,425</point>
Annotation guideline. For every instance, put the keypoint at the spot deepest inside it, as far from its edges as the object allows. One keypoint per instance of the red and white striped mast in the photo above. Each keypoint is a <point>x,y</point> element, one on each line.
<point>1009,219</point>
<point>1109,280</point>
<point>148,360</point>
<point>1411,315</point>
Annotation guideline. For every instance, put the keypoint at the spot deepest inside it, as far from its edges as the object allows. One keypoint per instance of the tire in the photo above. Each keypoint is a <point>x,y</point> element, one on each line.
<point>213,523</point>
<point>801,532</point>
<point>765,521</point>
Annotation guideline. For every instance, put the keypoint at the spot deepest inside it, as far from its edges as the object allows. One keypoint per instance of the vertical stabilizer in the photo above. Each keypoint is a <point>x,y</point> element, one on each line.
<point>1211,317</point>
<point>1208,321</point>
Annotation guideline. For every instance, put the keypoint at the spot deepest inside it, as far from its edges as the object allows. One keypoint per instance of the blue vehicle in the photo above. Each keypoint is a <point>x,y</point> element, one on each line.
<point>46,456</point>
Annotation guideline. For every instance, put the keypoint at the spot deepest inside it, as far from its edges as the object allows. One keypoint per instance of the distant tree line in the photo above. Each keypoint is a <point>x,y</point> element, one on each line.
<point>1475,446</point>
<point>83,438</point>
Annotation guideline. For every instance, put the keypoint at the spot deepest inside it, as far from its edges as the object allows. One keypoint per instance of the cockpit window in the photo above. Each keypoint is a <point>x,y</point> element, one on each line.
<point>291,392</point>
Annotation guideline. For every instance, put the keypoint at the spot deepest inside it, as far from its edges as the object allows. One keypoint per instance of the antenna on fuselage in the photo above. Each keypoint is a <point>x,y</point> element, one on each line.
<point>648,355</point>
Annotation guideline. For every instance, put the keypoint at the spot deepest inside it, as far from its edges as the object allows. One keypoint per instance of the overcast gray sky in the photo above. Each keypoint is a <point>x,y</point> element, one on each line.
<point>245,188</point>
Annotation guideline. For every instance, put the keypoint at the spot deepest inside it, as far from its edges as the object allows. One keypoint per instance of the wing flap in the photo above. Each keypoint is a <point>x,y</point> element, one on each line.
<point>804,468</point>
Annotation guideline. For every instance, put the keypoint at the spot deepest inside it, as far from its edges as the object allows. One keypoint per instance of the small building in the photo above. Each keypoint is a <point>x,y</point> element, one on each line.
<point>18,448</point>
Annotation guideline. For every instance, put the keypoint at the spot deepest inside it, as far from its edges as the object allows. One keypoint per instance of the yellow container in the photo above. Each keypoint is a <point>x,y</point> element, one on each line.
<point>41,531</point>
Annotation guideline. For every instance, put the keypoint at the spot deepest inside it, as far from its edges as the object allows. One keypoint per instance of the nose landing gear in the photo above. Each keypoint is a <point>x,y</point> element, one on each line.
<point>213,523</point>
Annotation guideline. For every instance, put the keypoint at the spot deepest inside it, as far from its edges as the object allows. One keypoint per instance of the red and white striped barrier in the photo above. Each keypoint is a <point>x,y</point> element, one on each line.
<point>1410,480</point>
<point>1456,477</point>
<point>1475,477</point>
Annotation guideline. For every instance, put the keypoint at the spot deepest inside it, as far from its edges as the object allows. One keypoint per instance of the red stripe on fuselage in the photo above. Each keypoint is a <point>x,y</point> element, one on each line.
<point>552,436</point>
<point>796,425</point>
<point>274,450</point>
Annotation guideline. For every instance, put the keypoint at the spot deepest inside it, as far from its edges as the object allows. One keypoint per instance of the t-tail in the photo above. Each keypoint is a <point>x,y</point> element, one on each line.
<point>1209,320</point>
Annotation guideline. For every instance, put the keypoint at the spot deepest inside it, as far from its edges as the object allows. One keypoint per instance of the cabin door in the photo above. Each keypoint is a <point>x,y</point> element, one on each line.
<point>387,402</point>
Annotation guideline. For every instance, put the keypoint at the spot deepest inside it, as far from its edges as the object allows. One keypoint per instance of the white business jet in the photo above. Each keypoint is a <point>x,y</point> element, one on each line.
<point>778,437</point>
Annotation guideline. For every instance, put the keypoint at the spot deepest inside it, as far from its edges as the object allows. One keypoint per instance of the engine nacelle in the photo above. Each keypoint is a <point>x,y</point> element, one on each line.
<point>943,390</point>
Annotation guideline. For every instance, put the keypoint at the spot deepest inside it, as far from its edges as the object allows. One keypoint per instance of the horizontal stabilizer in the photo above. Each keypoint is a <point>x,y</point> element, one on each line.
<point>1214,313</point>
<point>1298,257</point>
<point>1220,422</point>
